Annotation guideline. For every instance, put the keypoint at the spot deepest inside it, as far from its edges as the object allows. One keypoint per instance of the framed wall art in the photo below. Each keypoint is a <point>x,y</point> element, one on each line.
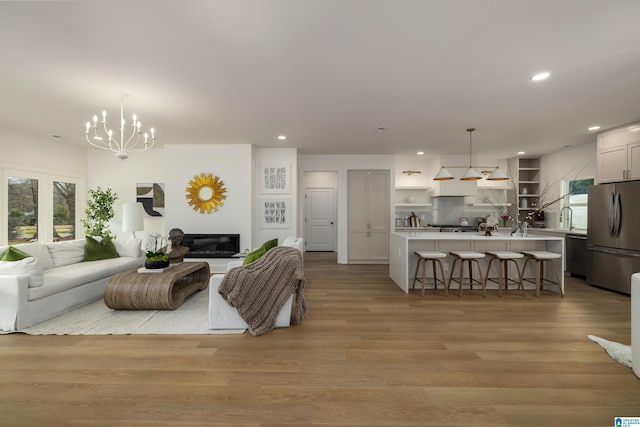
<point>151,195</point>
<point>275,212</point>
<point>275,179</point>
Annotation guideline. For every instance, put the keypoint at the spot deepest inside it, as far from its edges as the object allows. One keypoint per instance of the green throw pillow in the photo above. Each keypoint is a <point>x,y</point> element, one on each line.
<point>14,254</point>
<point>269,244</point>
<point>104,249</point>
<point>253,255</point>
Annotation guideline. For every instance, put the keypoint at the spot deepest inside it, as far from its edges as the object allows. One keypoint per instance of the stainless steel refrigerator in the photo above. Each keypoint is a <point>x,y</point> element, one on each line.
<point>613,235</point>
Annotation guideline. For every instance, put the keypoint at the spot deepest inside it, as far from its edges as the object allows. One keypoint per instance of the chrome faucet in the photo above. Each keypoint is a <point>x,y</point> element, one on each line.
<point>570,216</point>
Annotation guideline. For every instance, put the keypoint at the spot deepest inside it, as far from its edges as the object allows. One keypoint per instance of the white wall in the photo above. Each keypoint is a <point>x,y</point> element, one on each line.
<point>275,157</point>
<point>176,166</point>
<point>47,160</point>
<point>43,154</point>
<point>570,163</point>
<point>342,164</point>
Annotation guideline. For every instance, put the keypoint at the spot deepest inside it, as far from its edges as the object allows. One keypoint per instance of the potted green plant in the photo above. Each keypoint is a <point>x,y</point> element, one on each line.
<point>99,212</point>
<point>156,253</point>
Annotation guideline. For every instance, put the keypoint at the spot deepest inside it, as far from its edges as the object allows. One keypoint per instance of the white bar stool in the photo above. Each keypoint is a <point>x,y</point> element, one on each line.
<point>469,257</point>
<point>503,258</point>
<point>434,257</point>
<point>540,257</point>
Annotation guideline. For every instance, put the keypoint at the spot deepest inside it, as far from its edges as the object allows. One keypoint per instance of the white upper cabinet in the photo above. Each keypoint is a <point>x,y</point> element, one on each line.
<point>619,154</point>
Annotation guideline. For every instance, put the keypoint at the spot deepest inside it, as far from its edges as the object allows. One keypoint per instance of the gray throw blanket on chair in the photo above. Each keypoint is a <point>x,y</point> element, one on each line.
<point>259,290</point>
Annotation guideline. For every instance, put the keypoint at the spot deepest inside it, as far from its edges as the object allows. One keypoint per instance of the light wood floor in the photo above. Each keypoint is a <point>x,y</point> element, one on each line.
<point>366,354</point>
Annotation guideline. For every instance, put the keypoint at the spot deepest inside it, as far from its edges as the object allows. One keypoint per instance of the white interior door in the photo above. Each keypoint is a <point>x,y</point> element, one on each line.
<point>319,221</point>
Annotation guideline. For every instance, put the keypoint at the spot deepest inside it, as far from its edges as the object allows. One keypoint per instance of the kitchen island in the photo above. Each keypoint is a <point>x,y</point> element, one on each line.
<point>402,244</point>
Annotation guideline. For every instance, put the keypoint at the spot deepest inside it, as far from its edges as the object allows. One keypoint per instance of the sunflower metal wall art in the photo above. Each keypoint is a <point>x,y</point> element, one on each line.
<point>206,193</point>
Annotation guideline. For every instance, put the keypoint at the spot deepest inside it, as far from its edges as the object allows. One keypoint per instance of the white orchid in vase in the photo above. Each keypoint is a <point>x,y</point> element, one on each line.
<point>157,247</point>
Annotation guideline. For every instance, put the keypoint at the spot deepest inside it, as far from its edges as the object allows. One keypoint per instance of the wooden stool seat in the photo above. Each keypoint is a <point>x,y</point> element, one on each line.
<point>468,257</point>
<point>435,258</point>
<point>539,257</point>
<point>503,258</point>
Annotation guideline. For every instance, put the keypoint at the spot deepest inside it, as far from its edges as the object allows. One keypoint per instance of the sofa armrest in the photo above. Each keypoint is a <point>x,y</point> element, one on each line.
<point>294,242</point>
<point>13,298</point>
<point>234,264</point>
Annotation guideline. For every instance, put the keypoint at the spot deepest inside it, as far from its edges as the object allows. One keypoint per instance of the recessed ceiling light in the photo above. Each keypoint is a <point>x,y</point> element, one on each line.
<point>520,153</point>
<point>594,128</point>
<point>420,153</point>
<point>282,137</point>
<point>540,76</point>
<point>381,129</point>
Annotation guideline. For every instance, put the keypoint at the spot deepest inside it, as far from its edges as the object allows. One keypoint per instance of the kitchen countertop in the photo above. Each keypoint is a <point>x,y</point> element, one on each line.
<point>501,230</point>
<point>425,235</point>
<point>560,230</point>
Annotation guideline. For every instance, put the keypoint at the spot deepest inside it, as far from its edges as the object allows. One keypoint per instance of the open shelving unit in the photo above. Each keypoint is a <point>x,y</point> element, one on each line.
<point>526,174</point>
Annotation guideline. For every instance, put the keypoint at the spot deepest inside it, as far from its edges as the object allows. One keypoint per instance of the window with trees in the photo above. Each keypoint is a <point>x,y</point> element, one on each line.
<point>577,200</point>
<point>64,210</point>
<point>38,206</point>
<point>23,207</point>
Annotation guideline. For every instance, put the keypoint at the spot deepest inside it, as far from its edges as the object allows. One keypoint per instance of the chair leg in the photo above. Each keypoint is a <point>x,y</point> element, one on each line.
<point>491,259</point>
<point>555,268</point>
<point>505,275</point>
<point>482,281</point>
<point>444,283</point>
<point>524,266</point>
<point>424,274</point>
<point>453,269</point>
<point>461,277</point>
<point>501,277</point>
<point>415,275</point>
<point>520,283</point>
<point>539,272</point>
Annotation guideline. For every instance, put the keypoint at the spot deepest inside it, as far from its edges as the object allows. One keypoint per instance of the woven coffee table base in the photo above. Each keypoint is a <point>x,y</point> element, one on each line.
<point>131,290</point>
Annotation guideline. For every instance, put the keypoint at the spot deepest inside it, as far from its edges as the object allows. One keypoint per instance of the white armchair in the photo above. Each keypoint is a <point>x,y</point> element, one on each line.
<point>224,316</point>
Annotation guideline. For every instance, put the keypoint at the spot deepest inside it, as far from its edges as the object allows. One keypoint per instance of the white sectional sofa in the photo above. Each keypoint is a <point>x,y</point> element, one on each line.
<point>224,316</point>
<point>55,279</point>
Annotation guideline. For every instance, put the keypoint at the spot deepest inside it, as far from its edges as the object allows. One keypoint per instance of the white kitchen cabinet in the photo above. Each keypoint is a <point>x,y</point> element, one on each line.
<point>619,155</point>
<point>368,216</point>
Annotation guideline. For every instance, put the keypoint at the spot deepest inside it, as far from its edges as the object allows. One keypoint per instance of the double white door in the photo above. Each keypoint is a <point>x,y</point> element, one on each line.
<point>368,216</point>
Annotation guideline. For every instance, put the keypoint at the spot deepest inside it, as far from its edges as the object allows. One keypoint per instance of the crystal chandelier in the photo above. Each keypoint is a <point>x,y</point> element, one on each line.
<point>123,147</point>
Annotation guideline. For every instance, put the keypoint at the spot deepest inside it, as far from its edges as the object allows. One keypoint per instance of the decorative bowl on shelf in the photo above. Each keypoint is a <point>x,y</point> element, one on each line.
<point>411,199</point>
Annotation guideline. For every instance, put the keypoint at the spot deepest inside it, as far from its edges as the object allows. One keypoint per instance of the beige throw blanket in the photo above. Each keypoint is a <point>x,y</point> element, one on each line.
<point>259,290</point>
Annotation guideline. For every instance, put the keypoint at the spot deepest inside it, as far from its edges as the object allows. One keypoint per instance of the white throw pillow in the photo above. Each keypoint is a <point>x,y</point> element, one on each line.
<point>30,267</point>
<point>38,250</point>
<point>67,252</point>
<point>128,247</point>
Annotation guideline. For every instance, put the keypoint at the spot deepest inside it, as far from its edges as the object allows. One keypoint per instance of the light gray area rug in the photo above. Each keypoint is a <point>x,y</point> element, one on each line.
<point>98,319</point>
<point>621,353</point>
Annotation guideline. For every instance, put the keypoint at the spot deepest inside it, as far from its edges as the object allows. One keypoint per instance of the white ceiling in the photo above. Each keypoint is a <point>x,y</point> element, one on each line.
<point>326,73</point>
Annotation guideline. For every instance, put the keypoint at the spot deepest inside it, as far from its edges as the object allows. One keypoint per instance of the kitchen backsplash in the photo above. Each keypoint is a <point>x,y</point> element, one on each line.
<point>448,211</point>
